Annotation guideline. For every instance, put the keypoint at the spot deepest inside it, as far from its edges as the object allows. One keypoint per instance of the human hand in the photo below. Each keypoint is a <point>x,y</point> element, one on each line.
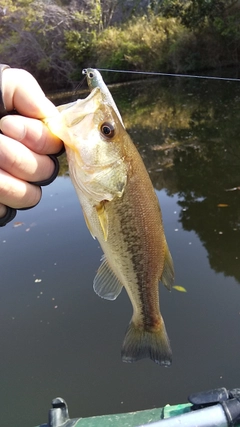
<point>26,142</point>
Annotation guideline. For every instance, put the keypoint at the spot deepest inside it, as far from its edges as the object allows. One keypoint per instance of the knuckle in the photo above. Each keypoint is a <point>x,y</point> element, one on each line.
<point>33,196</point>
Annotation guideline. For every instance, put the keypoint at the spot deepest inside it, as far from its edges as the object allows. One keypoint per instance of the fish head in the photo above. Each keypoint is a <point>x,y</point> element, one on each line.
<point>94,78</point>
<point>95,142</point>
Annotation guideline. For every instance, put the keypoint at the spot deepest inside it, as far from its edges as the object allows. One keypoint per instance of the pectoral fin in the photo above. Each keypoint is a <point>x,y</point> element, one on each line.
<point>106,284</point>
<point>168,270</point>
<point>103,218</point>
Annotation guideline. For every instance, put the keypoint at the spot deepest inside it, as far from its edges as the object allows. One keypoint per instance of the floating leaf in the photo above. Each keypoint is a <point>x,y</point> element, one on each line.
<point>233,189</point>
<point>17,224</point>
<point>222,205</point>
<point>180,288</point>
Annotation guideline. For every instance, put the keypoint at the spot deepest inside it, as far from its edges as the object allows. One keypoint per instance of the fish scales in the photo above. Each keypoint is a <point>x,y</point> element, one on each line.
<point>122,211</point>
<point>135,253</point>
<point>133,233</point>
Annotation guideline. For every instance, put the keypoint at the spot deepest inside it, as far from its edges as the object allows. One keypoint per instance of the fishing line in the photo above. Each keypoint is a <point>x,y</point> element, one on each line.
<point>152,73</point>
<point>80,84</point>
<point>78,88</point>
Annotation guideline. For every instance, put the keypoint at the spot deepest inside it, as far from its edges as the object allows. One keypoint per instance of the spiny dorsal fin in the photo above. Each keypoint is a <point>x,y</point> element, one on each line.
<point>168,270</point>
<point>106,284</point>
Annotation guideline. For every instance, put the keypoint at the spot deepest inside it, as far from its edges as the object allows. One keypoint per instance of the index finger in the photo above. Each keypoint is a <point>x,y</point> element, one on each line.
<point>20,91</point>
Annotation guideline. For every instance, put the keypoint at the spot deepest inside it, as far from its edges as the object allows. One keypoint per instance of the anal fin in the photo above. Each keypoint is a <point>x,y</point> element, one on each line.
<point>168,269</point>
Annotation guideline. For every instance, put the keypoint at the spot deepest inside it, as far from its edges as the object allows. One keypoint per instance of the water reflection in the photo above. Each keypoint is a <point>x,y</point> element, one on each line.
<point>193,149</point>
<point>59,338</point>
<point>188,134</point>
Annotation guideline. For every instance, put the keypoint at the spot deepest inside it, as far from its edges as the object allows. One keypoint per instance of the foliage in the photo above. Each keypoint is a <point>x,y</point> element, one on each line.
<point>142,43</point>
<point>55,39</point>
<point>197,14</point>
<point>31,36</point>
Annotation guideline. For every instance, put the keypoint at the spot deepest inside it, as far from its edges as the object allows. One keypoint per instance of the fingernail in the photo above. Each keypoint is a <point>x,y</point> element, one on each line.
<point>13,127</point>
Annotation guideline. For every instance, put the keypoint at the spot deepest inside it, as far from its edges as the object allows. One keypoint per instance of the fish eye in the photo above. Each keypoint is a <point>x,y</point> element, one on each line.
<point>107,130</point>
<point>91,75</point>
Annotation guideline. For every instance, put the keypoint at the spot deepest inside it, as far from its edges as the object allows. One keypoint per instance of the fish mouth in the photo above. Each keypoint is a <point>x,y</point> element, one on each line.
<point>76,111</point>
<point>68,120</point>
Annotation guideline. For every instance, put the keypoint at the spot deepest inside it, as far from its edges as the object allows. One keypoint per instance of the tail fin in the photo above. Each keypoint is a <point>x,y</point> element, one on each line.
<point>139,343</point>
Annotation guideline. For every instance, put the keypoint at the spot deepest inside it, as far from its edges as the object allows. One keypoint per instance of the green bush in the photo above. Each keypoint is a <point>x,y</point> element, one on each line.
<point>141,44</point>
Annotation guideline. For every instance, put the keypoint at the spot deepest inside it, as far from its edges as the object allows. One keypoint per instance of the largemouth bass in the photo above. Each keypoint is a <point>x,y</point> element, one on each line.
<point>122,211</point>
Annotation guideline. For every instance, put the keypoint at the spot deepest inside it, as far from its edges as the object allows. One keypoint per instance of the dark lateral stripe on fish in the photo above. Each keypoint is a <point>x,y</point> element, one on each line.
<point>135,251</point>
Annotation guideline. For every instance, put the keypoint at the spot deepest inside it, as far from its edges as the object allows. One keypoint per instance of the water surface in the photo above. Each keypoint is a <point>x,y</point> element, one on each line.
<point>60,339</point>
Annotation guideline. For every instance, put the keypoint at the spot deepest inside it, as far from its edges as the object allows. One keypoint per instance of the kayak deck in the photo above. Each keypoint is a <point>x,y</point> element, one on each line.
<point>130,419</point>
<point>219,407</point>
